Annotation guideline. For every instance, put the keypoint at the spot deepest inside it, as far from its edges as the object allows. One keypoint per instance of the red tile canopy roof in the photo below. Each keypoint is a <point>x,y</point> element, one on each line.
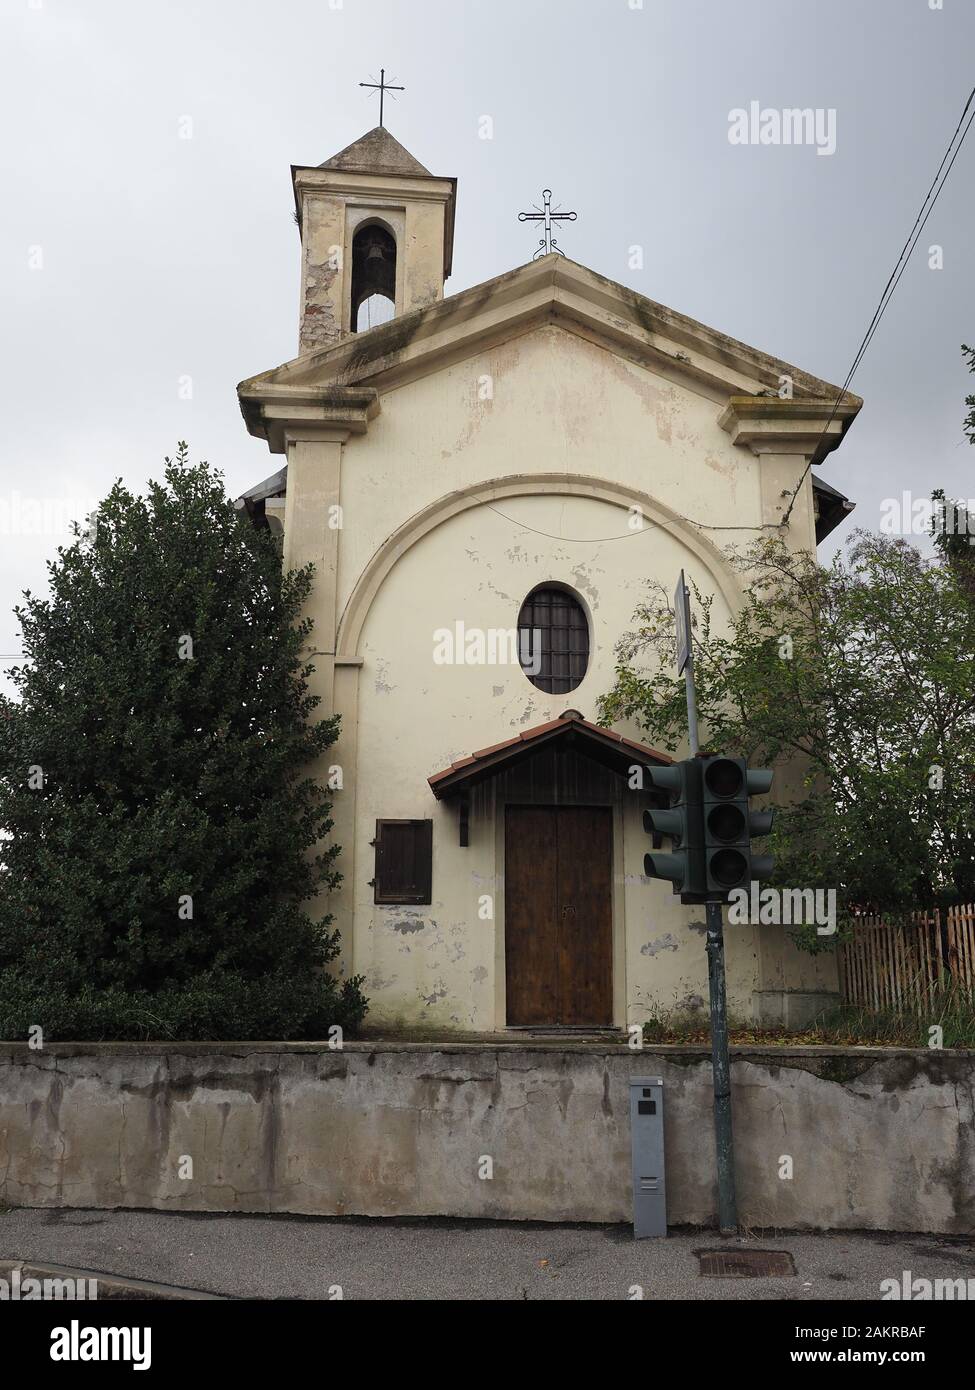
<point>570,730</point>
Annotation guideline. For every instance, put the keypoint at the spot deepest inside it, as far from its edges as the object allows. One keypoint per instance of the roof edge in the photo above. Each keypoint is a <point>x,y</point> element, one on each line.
<point>567,288</point>
<point>489,762</point>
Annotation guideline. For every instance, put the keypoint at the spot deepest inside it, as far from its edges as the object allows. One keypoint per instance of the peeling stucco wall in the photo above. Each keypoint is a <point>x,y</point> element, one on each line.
<point>332,211</point>
<point>557,405</point>
<point>322,275</point>
<point>514,463</point>
<point>879,1138</point>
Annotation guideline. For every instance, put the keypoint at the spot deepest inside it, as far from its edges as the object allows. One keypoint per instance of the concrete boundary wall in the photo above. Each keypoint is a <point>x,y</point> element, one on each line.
<point>879,1138</point>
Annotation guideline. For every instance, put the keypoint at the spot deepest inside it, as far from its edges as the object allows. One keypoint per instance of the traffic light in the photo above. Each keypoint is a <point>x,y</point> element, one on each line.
<point>680,822</point>
<point>729,824</point>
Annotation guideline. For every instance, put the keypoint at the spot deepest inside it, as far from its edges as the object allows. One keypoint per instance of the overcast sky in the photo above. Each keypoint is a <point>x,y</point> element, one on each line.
<point>133,258</point>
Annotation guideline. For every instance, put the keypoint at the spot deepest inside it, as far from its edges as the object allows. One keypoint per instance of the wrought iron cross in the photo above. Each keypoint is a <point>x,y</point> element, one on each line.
<point>546,214</point>
<point>382,87</point>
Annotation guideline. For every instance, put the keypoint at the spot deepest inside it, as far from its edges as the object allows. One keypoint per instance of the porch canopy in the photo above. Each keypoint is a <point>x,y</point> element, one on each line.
<point>570,732</point>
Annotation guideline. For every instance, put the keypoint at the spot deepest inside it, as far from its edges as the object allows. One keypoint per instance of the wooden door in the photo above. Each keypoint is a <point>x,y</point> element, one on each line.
<point>559,916</point>
<point>585,875</point>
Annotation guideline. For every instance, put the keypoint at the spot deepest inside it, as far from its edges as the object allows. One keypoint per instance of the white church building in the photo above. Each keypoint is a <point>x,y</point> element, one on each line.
<point>466,469</point>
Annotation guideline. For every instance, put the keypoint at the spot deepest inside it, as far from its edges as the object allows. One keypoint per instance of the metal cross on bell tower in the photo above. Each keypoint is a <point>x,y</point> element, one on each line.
<point>546,214</point>
<point>382,87</point>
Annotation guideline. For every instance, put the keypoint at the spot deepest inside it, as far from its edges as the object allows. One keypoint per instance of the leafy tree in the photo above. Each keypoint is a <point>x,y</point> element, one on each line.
<point>953,530</point>
<point>953,524</point>
<point>863,673</point>
<point>164,827</point>
<point>969,425</point>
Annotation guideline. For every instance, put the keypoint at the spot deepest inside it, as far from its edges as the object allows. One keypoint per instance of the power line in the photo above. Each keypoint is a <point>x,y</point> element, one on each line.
<point>900,266</point>
<point>625,536</point>
<point>917,230</point>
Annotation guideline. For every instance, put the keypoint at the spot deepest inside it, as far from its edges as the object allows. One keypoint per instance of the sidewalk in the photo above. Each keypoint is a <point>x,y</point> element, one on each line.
<point>304,1257</point>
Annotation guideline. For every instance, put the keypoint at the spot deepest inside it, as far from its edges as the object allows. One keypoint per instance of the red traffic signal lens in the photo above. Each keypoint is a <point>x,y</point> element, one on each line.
<point>724,778</point>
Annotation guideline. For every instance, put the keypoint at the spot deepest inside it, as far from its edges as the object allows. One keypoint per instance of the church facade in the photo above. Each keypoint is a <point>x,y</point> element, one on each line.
<point>485,483</point>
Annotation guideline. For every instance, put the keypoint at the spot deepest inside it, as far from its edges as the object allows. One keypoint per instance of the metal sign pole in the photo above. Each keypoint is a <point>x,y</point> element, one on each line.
<point>691,707</point>
<point>720,1062</point>
<point>685,656</point>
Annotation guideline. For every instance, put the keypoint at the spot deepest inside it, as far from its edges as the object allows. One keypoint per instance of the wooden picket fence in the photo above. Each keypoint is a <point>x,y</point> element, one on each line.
<point>905,967</point>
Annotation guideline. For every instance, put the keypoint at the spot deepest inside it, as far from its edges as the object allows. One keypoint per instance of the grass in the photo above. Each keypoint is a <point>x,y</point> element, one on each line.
<point>844,1026</point>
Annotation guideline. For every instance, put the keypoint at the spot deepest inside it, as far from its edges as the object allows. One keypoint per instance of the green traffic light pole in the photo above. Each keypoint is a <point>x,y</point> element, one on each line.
<point>724,1142</point>
<point>721,1073</point>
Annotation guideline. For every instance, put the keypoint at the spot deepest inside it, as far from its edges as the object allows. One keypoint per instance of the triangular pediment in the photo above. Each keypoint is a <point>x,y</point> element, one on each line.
<point>550,290</point>
<point>341,385</point>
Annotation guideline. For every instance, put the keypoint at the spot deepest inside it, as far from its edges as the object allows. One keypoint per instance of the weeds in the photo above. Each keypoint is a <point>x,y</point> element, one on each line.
<point>847,1025</point>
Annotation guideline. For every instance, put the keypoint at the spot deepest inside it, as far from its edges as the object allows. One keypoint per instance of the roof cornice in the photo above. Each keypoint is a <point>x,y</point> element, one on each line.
<point>556,290</point>
<point>273,412</point>
<point>809,427</point>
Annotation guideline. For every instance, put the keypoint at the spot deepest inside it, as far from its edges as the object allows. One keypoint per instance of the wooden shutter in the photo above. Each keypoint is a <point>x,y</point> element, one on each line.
<point>404,861</point>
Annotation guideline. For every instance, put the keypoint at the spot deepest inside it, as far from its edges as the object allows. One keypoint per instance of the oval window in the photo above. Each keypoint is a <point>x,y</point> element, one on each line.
<point>553,639</point>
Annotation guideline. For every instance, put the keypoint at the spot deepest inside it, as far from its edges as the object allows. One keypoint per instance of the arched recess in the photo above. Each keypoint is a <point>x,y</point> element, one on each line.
<point>373,266</point>
<point>522,485</point>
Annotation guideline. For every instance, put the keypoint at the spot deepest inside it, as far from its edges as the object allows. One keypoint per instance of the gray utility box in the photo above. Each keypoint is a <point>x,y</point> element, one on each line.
<point>647,1135</point>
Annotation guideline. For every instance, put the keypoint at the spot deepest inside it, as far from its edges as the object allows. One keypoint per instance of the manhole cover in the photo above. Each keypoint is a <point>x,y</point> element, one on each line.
<point>745,1264</point>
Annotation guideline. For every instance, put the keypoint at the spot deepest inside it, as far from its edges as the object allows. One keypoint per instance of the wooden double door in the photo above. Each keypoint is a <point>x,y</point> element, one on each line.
<point>558,915</point>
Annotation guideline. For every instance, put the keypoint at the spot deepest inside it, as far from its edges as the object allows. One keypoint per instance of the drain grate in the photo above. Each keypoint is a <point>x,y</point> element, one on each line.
<point>745,1264</point>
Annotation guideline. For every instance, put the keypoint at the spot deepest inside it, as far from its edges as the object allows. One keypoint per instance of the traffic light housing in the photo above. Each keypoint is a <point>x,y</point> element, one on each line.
<point>680,822</point>
<point>729,824</point>
<point>710,825</point>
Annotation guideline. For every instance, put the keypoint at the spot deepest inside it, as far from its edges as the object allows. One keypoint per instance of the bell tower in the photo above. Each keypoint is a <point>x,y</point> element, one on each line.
<point>377,232</point>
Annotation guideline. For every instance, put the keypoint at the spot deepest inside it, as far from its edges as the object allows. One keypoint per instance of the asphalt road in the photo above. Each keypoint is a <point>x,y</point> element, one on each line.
<point>306,1257</point>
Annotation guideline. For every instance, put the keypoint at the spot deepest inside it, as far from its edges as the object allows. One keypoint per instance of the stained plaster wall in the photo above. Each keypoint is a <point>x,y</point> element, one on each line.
<point>880,1138</point>
<point>546,403</point>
